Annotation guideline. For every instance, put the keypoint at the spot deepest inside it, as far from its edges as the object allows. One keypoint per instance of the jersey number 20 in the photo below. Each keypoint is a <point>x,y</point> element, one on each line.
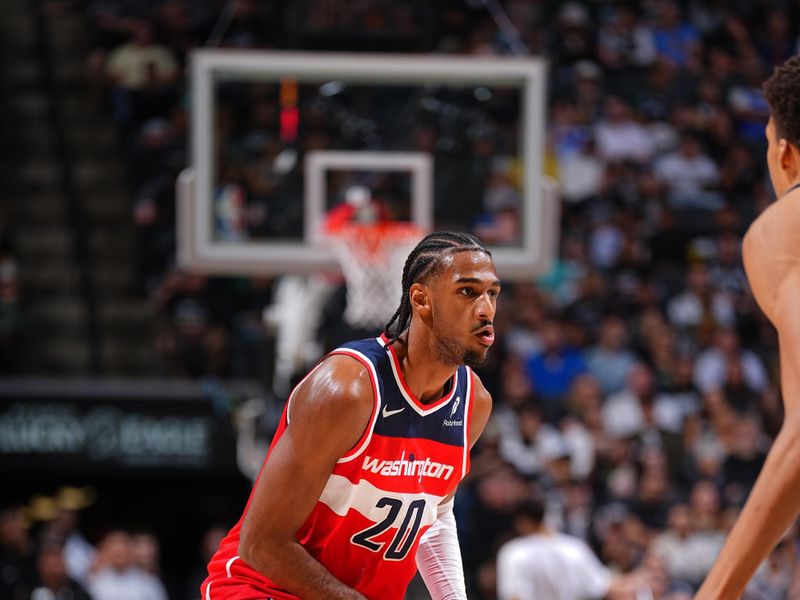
<point>406,534</point>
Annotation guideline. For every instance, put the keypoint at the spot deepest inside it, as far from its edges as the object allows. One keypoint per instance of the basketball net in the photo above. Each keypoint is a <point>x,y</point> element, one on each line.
<point>372,256</point>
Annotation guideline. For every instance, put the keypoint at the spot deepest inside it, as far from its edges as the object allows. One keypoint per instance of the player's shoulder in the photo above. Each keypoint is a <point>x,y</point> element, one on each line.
<point>341,365</point>
<point>770,250</point>
<point>339,385</point>
<point>779,219</point>
<point>343,374</point>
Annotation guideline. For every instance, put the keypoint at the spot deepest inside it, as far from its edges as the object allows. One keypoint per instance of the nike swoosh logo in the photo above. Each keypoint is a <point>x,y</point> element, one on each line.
<point>389,413</point>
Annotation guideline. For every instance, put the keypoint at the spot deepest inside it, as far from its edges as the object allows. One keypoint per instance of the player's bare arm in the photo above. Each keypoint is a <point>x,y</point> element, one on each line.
<point>772,262</point>
<point>328,414</point>
<point>775,499</point>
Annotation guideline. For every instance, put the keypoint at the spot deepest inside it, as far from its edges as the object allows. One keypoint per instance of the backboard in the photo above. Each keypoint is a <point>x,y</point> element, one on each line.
<point>424,124</point>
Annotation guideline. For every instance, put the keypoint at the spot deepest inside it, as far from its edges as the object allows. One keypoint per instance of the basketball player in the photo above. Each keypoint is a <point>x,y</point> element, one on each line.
<point>771,252</point>
<point>357,488</point>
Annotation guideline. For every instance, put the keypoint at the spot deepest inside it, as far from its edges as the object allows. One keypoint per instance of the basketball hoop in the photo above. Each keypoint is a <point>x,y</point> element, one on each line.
<point>371,256</point>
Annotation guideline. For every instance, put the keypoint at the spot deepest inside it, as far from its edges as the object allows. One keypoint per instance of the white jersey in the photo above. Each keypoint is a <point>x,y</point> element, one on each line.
<point>550,567</point>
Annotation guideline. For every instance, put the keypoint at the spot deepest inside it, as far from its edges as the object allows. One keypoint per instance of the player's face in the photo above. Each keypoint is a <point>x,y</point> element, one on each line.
<point>775,150</point>
<point>463,308</point>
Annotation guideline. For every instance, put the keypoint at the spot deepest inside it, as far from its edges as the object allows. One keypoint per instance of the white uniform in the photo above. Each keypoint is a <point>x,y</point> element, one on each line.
<point>550,567</point>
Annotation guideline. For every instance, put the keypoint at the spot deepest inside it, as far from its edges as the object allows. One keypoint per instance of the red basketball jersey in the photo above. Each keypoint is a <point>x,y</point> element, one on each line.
<point>380,498</point>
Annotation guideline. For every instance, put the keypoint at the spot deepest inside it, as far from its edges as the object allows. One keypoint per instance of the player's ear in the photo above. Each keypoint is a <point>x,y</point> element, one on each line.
<point>419,296</point>
<point>788,157</point>
<point>783,149</point>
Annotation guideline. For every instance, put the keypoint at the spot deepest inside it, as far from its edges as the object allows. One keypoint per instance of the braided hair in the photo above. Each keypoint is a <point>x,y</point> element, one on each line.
<point>423,261</point>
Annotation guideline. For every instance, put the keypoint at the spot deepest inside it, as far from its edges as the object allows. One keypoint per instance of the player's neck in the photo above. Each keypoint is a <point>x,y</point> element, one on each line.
<point>793,185</point>
<point>424,374</point>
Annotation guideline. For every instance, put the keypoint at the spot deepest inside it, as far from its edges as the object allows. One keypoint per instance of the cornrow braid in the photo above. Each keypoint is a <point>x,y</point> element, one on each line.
<point>426,259</point>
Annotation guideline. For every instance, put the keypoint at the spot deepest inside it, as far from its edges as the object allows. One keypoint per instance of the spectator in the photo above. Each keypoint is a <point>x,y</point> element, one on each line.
<point>146,553</point>
<point>705,506</point>
<point>676,40</point>
<point>699,304</point>
<point>622,538</point>
<point>530,307</point>
<point>573,37</point>
<point>581,173</point>
<point>553,370</point>
<point>593,300</point>
<point>619,137</point>
<point>606,242</point>
<point>652,500</point>
<point>132,65</point>
<point>529,443</point>
<point>53,579</point>
<point>746,456</point>
<point>569,134</point>
<point>624,41</point>
<point>141,72</point>
<point>494,497</point>
<point>193,338</point>
<point>610,361</point>
<point>740,174</point>
<point>747,101</point>
<point>116,577</point>
<point>16,554</point>
<point>500,223</point>
<point>11,317</point>
<point>534,565</point>
<point>678,400</point>
<point>588,93</point>
<point>690,176</point>
<point>712,365</point>
<point>774,39</point>
<point>623,413</point>
<point>561,282</point>
<point>580,444</point>
<point>79,554</point>
<point>676,547</point>
<point>726,269</point>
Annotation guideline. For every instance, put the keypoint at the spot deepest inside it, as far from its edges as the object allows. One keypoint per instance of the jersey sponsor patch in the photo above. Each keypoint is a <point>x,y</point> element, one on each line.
<point>455,406</point>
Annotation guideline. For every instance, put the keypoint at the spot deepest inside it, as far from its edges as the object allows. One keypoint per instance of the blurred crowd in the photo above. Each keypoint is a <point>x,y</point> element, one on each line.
<point>635,384</point>
<point>45,555</point>
<point>11,320</point>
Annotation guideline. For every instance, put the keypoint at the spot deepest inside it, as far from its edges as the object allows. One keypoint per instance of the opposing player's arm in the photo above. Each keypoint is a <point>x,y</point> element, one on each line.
<point>774,502</point>
<point>439,555</point>
<point>328,414</point>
